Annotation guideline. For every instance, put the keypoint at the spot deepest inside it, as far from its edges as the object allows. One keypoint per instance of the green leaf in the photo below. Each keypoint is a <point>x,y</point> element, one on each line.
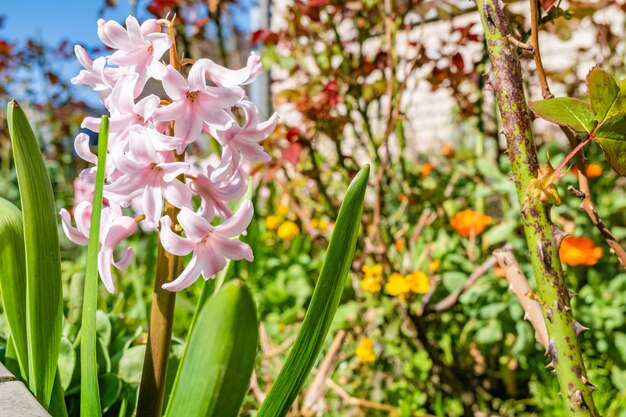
<point>603,91</point>
<point>131,364</point>
<point>67,362</point>
<point>110,389</point>
<point>611,135</point>
<point>43,267</point>
<point>89,391</point>
<point>218,364</point>
<point>324,302</point>
<point>566,111</point>
<point>13,279</point>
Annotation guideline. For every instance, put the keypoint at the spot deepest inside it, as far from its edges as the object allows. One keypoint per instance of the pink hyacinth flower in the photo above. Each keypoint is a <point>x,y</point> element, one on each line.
<point>114,227</point>
<point>137,47</point>
<point>215,191</point>
<point>211,245</point>
<point>151,176</point>
<point>195,103</point>
<point>243,141</point>
<point>96,74</point>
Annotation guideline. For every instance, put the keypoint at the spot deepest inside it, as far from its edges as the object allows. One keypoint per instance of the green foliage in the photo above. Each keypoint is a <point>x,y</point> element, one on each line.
<point>566,111</point>
<point>43,274</point>
<point>324,303</point>
<point>219,360</point>
<point>12,283</point>
<point>89,391</point>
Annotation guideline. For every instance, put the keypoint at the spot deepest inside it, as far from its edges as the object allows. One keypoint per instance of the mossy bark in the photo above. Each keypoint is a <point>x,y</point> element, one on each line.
<point>506,79</point>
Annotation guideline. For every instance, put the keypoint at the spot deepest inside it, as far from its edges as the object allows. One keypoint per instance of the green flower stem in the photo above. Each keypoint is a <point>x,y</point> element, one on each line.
<point>506,79</point>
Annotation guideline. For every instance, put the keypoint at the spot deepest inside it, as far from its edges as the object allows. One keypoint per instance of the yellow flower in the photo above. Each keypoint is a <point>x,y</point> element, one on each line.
<point>434,265</point>
<point>372,270</point>
<point>370,284</point>
<point>418,282</point>
<point>319,224</point>
<point>282,210</point>
<point>579,251</point>
<point>365,350</point>
<point>397,285</point>
<point>272,222</point>
<point>288,230</point>
<point>593,170</point>
<point>469,222</point>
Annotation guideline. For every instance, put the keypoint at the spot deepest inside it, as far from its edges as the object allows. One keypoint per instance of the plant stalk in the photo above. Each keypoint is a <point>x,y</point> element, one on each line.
<point>563,347</point>
<point>152,388</point>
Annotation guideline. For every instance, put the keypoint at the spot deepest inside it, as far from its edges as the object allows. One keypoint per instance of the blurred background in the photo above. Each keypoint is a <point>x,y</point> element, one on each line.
<point>427,324</point>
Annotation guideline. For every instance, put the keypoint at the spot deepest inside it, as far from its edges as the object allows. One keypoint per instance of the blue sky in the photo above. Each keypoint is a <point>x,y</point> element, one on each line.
<point>52,20</point>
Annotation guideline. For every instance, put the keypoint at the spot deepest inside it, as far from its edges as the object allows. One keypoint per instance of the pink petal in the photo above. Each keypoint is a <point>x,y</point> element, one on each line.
<point>117,35</point>
<point>173,243</point>
<point>125,260</point>
<point>134,31</point>
<point>81,146</point>
<point>119,229</point>
<point>237,224</point>
<point>152,205</point>
<point>232,249</point>
<point>195,226</point>
<point>146,106</point>
<point>105,258</point>
<point>229,78</point>
<point>82,57</point>
<point>171,170</point>
<point>213,262</point>
<point>82,217</point>
<point>196,78</point>
<point>162,142</point>
<point>174,84</point>
<point>189,275</point>
<point>177,194</point>
<point>71,232</point>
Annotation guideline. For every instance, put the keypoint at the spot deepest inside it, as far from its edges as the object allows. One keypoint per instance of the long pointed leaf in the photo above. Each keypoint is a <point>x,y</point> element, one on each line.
<point>324,303</point>
<point>89,391</point>
<point>13,279</point>
<point>43,268</point>
<point>216,370</point>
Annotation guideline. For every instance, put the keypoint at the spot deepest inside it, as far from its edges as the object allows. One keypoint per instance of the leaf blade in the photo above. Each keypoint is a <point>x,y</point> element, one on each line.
<point>218,364</point>
<point>611,135</point>
<point>41,245</point>
<point>89,390</point>
<point>603,92</point>
<point>324,303</point>
<point>566,111</point>
<point>13,279</point>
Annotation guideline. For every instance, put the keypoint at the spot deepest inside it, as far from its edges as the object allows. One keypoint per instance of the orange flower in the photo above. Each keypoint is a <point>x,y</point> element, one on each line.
<point>579,251</point>
<point>593,170</point>
<point>426,169</point>
<point>400,245</point>
<point>468,222</point>
<point>447,150</point>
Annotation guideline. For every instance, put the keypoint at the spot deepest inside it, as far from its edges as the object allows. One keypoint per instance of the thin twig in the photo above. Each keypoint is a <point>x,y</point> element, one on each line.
<point>318,387</point>
<point>449,302</point>
<point>521,289</point>
<point>534,41</point>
